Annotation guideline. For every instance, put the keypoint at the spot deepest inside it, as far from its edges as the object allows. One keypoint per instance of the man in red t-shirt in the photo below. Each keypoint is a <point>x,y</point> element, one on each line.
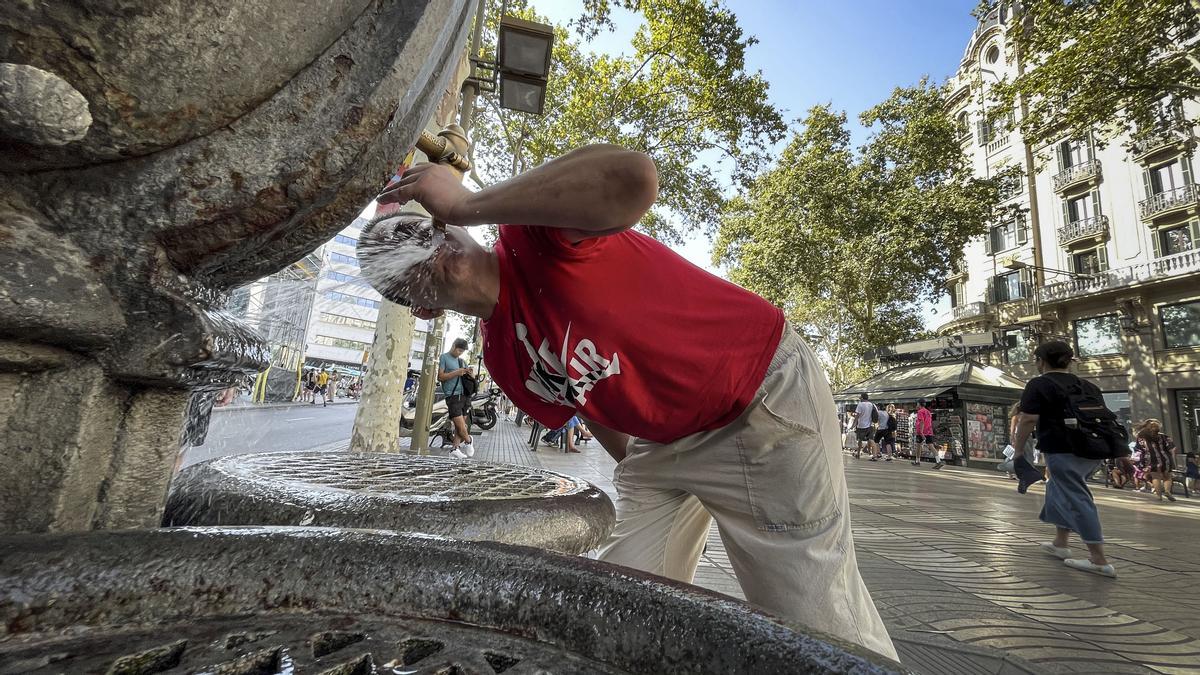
<point>712,405</point>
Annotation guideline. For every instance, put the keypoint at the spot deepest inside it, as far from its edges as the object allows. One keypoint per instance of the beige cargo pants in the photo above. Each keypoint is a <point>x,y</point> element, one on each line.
<point>773,480</point>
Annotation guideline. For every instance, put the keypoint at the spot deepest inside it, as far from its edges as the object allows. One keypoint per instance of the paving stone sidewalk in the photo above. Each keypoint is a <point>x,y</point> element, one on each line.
<point>951,558</point>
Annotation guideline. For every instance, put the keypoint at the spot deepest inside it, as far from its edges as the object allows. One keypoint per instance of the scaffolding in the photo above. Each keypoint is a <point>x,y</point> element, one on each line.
<point>277,308</point>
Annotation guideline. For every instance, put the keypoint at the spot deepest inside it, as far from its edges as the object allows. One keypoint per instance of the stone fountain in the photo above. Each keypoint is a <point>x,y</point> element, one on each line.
<point>154,155</point>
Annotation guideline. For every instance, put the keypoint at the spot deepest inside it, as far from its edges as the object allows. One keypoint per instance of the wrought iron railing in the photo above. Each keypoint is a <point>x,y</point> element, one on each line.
<point>1095,226</point>
<point>1168,200</point>
<point>1178,264</point>
<point>1079,172</point>
<point>969,310</point>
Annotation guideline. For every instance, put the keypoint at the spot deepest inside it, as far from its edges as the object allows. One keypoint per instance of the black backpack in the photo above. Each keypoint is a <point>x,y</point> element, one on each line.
<point>1091,428</point>
<point>469,385</point>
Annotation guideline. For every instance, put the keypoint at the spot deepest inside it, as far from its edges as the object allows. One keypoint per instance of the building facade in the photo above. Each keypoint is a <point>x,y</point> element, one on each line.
<point>342,322</point>
<point>1105,251</point>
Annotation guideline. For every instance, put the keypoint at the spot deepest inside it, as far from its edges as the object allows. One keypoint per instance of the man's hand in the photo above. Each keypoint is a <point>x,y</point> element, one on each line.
<point>434,187</point>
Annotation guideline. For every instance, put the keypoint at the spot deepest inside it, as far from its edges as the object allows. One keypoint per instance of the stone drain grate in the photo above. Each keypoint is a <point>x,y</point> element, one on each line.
<point>296,644</point>
<point>427,478</point>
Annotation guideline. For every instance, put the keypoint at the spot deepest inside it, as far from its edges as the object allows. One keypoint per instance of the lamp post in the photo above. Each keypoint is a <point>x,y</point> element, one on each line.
<point>523,69</point>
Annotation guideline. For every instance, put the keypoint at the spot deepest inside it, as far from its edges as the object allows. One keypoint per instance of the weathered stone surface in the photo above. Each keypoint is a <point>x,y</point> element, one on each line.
<point>459,606</point>
<point>40,108</point>
<point>226,141</point>
<point>430,495</point>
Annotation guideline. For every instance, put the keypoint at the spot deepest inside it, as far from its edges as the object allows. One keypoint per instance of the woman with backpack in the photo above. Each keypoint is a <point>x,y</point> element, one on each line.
<point>1069,413</point>
<point>1158,457</point>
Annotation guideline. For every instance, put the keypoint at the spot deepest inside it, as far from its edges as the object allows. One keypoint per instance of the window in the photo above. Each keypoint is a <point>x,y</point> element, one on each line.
<point>341,320</point>
<point>343,239</point>
<point>343,259</point>
<point>1093,261</point>
<point>1007,287</point>
<point>1006,235</point>
<point>1098,336</point>
<point>352,299</point>
<point>963,122</point>
<point>331,341</point>
<point>1175,239</point>
<point>957,294</point>
<point>1166,177</point>
<point>1082,208</point>
<point>348,278</point>
<point>1072,153</point>
<point>1180,324</point>
<point>1016,346</point>
<point>992,55</point>
<point>1118,402</point>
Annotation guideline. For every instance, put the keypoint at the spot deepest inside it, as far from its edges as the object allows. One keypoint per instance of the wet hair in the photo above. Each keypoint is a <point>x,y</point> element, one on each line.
<point>1056,353</point>
<point>460,343</point>
<point>382,236</point>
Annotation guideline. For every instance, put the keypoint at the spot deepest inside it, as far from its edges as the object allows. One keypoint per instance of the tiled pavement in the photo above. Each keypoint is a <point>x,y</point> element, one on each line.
<point>951,557</point>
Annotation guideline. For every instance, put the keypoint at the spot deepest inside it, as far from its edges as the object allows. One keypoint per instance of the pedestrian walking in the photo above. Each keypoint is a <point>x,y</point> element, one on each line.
<point>885,437</point>
<point>1158,455</point>
<point>1075,433</point>
<point>322,388</point>
<point>923,435</point>
<point>1191,471</point>
<point>310,386</point>
<point>571,327</point>
<point>452,374</point>
<point>865,415</point>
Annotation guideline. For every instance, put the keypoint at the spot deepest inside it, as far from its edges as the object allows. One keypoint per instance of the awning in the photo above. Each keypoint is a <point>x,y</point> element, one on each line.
<point>901,395</point>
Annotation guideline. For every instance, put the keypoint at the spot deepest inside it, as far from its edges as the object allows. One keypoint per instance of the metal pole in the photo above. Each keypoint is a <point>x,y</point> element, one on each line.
<point>433,343</point>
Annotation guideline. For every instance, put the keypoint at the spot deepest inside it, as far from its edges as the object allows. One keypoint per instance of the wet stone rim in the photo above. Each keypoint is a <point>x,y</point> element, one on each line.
<point>414,593</point>
<point>402,477</point>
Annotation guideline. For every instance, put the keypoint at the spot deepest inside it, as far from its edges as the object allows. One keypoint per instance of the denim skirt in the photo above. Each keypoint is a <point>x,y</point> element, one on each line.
<point>1069,503</point>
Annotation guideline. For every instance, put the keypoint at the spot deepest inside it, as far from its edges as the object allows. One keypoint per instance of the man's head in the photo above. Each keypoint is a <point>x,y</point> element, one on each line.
<point>922,403</point>
<point>864,396</point>
<point>460,346</point>
<point>416,265</point>
<point>1053,355</point>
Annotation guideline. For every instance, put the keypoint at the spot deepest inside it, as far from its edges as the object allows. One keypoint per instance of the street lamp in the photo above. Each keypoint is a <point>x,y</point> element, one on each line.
<point>522,65</point>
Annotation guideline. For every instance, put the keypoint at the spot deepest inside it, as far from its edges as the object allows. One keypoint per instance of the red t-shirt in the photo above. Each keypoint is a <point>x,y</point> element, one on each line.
<point>625,332</point>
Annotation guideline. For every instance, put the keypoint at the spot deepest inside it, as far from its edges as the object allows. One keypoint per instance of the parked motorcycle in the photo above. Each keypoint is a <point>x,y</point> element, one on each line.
<point>483,409</point>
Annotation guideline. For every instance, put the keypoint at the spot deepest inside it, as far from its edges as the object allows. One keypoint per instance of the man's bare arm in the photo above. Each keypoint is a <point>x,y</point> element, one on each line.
<point>614,442</point>
<point>594,190</point>
<point>1025,426</point>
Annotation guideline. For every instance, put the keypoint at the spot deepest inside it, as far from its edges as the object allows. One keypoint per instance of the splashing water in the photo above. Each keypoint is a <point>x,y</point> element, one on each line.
<point>394,253</point>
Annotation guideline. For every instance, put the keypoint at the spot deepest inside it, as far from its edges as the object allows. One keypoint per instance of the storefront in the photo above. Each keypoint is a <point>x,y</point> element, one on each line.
<point>969,401</point>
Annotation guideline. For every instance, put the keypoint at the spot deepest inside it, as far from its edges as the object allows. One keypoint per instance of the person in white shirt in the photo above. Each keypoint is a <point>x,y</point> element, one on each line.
<point>864,419</point>
<point>880,436</point>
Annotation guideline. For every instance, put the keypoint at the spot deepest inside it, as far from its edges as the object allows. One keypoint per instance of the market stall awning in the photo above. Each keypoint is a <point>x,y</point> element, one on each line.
<point>967,378</point>
<point>907,394</point>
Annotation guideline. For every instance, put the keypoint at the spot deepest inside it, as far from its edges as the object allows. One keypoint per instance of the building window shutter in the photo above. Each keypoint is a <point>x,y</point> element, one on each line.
<point>1026,280</point>
<point>988,246</point>
<point>1095,202</point>
<point>1146,182</point>
<point>1066,212</point>
<point>1022,230</point>
<point>1060,152</point>
<point>1185,166</point>
<point>1102,257</point>
<point>1156,241</point>
<point>1091,147</point>
<point>991,291</point>
<point>1195,229</point>
<point>981,131</point>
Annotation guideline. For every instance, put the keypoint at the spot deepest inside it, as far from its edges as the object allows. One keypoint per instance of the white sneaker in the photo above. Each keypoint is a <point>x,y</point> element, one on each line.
<point>468,448</point>
<point>457,454</point>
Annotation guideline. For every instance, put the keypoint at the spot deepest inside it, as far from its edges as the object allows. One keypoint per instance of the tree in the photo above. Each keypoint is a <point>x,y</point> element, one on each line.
<point>1098,65</point>
<point>846,242</point>
<point>682,95</point>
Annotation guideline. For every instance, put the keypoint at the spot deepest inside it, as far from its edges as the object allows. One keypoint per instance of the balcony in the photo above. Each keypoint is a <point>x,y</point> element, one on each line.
<point>1176,265</point>
<point>969,310</point>
<point>999,143</point>
<point>1174,136</point>
<point>1095,227</point>
<point>1168,201</point>
<point>1079,174</point>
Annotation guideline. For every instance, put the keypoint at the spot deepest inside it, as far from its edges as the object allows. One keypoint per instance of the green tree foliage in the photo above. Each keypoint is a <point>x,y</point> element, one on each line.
<point>849,242</point>
<point>1098,65</point>
<point>681,94</point>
